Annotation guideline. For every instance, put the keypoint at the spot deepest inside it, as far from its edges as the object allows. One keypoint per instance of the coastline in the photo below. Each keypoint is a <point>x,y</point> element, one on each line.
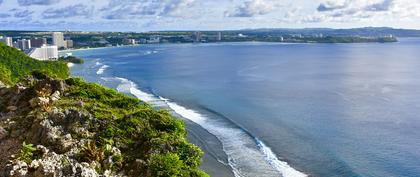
<point>214,160</point>
<point>225,154</point>
<point>248,41</point>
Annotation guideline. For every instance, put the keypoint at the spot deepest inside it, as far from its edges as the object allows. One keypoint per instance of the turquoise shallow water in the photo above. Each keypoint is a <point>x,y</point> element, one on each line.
<point>291,109</point>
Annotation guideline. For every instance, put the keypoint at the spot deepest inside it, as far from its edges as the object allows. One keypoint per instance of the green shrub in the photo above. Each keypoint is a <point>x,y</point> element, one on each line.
<point>26,153</point>
<point>166,165</point>
<point>5,74</point>
<point>71,59</point>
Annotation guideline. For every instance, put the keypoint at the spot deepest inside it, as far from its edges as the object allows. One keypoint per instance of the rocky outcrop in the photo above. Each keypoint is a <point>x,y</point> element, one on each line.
<point>28,114</point>
<point>50,164</point>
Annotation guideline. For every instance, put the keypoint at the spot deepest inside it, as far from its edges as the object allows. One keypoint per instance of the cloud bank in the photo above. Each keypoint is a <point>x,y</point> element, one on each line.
<point>37,2</point>
<point>203,14</point>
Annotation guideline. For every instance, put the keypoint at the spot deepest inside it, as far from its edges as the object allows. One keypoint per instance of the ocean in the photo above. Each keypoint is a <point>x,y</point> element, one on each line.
<point>275,109</point>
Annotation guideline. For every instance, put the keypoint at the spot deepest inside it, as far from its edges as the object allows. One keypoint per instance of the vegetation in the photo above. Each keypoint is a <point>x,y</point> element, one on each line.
<point>15,65</point>
<point>139,131</point>
<point>71,59</point>
<point>139,140</point>
<point>27,152</point>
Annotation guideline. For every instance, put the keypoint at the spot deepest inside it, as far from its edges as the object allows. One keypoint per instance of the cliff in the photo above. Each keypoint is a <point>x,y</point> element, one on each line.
<point>51,126</point>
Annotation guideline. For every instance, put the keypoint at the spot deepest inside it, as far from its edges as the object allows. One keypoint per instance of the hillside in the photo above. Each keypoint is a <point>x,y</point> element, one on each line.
<point>15,64</point>
<point>68,127</point>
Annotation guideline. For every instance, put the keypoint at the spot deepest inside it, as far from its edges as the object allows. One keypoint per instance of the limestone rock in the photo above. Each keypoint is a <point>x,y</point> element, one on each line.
<point>55,96</point>
<point>39,101</point>
<point>2,84</point>
<point>12,108</point>
<point>3,133</point>
<point>18,89</point>
<point>50,164</point>
<point>18,169</point>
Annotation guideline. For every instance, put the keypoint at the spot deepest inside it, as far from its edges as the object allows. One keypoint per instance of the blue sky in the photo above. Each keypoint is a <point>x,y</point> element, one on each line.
<point>147,15</point>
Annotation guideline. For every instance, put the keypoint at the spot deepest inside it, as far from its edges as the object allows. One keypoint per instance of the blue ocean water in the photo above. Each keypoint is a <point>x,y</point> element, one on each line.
<point>283,109</point>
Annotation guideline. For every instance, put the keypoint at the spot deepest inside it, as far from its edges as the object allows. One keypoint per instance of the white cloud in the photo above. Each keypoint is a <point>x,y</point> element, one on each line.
<point>37,2</point>
<point>205,14</point>
<point>123,9</point>
<point>352,10</point>
<point>253,8</point>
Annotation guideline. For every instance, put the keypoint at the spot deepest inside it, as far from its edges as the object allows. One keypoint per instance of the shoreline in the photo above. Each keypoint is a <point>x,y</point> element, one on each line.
<point>221,42</point>
<point>220,159</point>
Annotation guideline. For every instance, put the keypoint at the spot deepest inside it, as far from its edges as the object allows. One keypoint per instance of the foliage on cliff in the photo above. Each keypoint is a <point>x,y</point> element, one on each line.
<point>68,127</point>
<point>71,59</point>
<point>15,64</point>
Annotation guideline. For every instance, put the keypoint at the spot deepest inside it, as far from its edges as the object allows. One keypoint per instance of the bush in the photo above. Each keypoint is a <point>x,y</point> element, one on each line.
<point>26,154</point>
<point>166,165</point>
<point>5,74</point>
<point>71,59</point>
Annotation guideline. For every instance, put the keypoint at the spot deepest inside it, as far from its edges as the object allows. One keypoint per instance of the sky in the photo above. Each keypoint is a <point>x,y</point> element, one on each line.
<point>153,15</point>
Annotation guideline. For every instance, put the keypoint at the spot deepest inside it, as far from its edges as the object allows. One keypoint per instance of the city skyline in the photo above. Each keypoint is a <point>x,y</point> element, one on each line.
<point>150,15</point>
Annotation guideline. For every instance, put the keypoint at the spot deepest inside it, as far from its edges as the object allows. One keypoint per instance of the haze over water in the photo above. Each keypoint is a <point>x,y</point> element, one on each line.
<point>325,109</point>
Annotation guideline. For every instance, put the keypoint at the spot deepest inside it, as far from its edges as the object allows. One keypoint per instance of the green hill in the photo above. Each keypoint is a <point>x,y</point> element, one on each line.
<point>60,126</point>
<point>15,64</point>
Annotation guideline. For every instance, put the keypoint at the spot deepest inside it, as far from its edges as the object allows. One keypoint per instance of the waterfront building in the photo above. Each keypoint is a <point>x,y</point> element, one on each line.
<point>45,52</point>
<point>154,40</point>
<point>129,41</point>
<point>219,36</point>
<point>38,42</point>
<point>69,43</point>
<point>7,40</point>
<point>24,44</point>
<point>197,36</point>
<point>58,39</point>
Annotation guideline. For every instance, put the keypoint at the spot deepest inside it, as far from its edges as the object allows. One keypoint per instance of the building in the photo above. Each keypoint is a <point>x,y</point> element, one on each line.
<point>197,36</point>
<point>24,44</point>
<point>58,40</point>
<point>7,40</point>
<point>69,44</point>
<point>154,39</point>
<point>219,36</point>
<point>38,42</point>
<point>129,41</point>
<point>44,52</point>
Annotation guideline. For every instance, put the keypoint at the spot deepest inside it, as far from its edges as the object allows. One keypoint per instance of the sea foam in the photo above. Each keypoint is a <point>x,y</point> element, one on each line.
<point>102,69</point>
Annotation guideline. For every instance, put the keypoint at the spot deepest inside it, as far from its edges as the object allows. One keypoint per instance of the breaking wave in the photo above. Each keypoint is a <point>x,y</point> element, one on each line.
<point>102,69</point>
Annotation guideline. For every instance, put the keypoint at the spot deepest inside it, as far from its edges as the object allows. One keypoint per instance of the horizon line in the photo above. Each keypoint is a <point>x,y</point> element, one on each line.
<point>218,30</point>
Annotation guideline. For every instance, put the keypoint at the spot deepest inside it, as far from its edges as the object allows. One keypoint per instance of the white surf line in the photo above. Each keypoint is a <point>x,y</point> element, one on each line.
<point>102,69</point>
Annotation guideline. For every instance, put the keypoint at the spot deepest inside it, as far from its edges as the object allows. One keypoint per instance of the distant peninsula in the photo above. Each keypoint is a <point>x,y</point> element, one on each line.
<point>82,39</point>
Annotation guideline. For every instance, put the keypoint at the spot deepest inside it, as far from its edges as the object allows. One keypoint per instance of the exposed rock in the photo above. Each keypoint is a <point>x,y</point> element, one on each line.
<point>50,164</point>
<point>3,133</point>
<point>55,96</point>
<point>12,108</point>
<point>19,168</point>
<point>39,101</point>
<point>2,84</point>
<point>17,89</point>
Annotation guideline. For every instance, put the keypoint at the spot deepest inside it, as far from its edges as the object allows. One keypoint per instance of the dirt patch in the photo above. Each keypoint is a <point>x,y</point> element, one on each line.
<point>8,147</point>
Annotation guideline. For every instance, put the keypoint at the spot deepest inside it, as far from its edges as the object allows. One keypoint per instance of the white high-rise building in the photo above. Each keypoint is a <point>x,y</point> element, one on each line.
<point>58,39</point>
<point>219,36</point>
<point>45,52</point>
<point>24,44</point>
<point>7,40</point>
